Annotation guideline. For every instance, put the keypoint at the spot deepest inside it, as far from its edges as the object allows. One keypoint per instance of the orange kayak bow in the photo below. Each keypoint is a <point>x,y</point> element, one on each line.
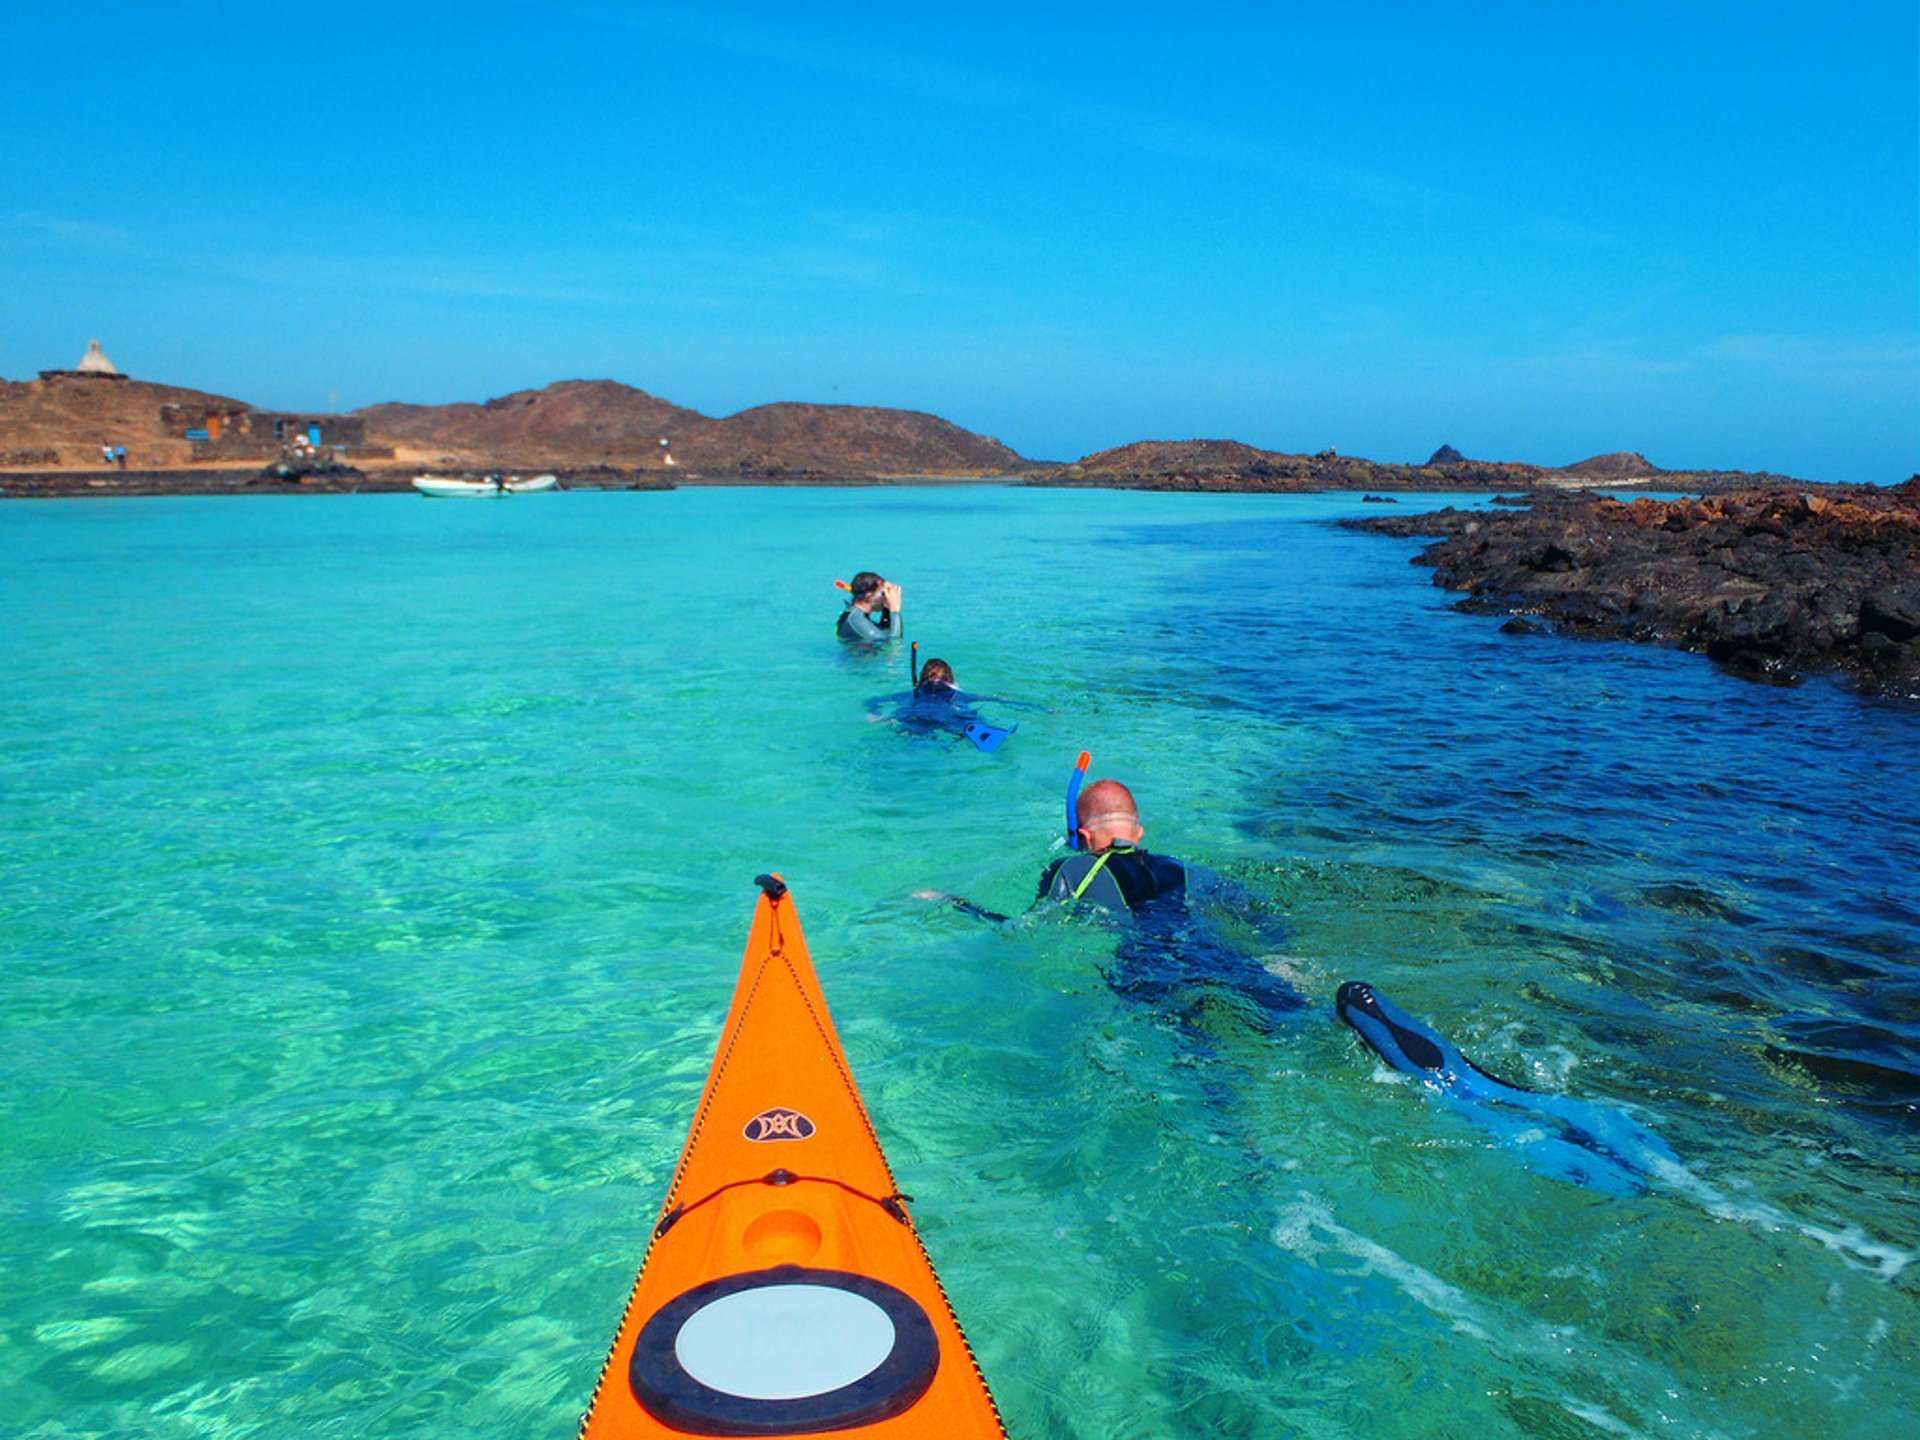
<point>786,1291</point>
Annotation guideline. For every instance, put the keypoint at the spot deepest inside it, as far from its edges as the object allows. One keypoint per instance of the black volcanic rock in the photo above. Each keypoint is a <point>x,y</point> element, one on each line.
<point>1770,583</point>
<point>1447,455</point>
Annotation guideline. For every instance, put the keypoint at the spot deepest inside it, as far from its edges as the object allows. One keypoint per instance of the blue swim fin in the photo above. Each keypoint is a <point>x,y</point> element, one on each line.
<point>987,738</point>
<point>1591,1145</point>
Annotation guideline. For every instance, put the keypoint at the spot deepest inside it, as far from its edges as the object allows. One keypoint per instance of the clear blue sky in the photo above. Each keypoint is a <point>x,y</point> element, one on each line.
<point>1534,231</point>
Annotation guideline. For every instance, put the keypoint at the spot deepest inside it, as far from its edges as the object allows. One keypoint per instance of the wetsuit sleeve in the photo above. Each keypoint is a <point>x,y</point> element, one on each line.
<point>979,912</point>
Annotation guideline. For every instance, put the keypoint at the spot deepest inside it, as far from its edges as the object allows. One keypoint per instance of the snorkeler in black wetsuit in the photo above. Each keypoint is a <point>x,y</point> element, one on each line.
<point>1113,870</point>
<point>1121,878</point>
<point>1170,954</point>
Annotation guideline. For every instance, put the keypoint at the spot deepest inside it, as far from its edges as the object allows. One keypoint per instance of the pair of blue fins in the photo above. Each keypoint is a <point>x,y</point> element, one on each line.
<point>1554,1135</point>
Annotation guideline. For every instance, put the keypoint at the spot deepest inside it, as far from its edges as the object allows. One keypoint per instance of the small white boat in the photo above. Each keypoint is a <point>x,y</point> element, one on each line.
<point>447,487</point>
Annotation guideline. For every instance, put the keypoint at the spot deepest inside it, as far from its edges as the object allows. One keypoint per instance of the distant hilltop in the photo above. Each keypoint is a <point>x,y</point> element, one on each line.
<point>602,422</point>
<point>585,427</point>
<point>1231,465</point>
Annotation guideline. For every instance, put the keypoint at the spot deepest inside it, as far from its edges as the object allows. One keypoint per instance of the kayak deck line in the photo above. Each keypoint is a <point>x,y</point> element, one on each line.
<point>775,1301</point>
<point>892,1204</point>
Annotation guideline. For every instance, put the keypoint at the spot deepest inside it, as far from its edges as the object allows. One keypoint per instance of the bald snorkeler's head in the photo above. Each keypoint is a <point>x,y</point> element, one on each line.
<point>1108,815</point>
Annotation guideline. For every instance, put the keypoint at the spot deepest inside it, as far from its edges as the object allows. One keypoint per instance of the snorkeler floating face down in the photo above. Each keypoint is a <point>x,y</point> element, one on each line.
<point>936,673</point>
<point>1108,815</point>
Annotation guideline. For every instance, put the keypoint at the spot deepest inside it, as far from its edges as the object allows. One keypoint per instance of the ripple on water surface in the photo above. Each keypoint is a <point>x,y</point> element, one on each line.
<point>378,873</point>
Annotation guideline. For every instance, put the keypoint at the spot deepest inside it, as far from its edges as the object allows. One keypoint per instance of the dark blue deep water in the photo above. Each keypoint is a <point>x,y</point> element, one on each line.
<point>377,870</point>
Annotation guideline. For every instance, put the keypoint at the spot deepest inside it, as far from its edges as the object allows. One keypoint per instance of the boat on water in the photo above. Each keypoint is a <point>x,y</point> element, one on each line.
<point>450,487</point>
<point>786,1290</point>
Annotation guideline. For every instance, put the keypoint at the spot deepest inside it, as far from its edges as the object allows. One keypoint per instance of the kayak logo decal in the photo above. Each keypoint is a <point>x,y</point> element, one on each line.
<point>779,1123</point>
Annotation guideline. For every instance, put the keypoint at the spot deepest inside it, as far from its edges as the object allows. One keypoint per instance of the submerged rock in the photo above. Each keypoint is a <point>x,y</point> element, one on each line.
<point>1770,583</point>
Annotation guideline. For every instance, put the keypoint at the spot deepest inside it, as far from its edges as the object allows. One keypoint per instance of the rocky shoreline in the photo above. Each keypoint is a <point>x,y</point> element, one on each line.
<point>392,480</point>
<point>1772,583</point>
<point>1229,467</point>
<point>604,434</point>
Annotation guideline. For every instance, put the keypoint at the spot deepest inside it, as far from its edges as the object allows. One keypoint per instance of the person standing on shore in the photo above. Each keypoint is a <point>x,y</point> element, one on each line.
<point>873,614</point>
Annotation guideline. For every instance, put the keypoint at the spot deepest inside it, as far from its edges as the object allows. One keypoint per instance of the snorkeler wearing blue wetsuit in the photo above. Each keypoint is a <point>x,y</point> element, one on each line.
<point>939,707</point>
<point>935,702</point>
<point>1173,953</point>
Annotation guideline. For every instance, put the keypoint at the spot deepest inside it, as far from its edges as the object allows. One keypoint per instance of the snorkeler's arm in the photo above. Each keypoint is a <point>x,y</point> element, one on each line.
<point>980,912</point>
<point>964,906</point>
<point>967,697</point>
<point>858,625</point>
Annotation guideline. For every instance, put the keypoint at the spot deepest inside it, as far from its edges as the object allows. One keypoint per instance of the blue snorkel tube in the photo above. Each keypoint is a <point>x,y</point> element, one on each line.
<point>1074,782</point>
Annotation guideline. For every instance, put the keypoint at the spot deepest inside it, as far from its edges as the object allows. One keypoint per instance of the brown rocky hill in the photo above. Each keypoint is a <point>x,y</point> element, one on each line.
<point>569,423</point>
<point>602,422</point>
<point>1231,465</point>
<point>60,421</point>
<point>844,439</point>
<point>1620,465</point>
<point>71,416</point>
<point>1194,457</point>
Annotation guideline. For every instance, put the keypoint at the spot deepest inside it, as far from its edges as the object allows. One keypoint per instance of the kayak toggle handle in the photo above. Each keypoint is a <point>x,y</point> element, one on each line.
<point>772,884</point>
<point>894,1204</point>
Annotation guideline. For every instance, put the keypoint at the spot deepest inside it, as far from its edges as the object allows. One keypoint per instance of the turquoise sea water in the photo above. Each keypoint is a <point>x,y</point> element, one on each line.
<point>377,871</point>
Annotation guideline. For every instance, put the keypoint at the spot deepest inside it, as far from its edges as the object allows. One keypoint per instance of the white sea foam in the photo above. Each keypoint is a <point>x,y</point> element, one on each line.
<point>1573,1362</point>
<point>1299,1230</point>
<point>1847,1240</point>
<point>1598,1418</point>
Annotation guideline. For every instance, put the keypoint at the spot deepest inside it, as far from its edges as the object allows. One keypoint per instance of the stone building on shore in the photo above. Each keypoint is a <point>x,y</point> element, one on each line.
<point>74,417</point>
